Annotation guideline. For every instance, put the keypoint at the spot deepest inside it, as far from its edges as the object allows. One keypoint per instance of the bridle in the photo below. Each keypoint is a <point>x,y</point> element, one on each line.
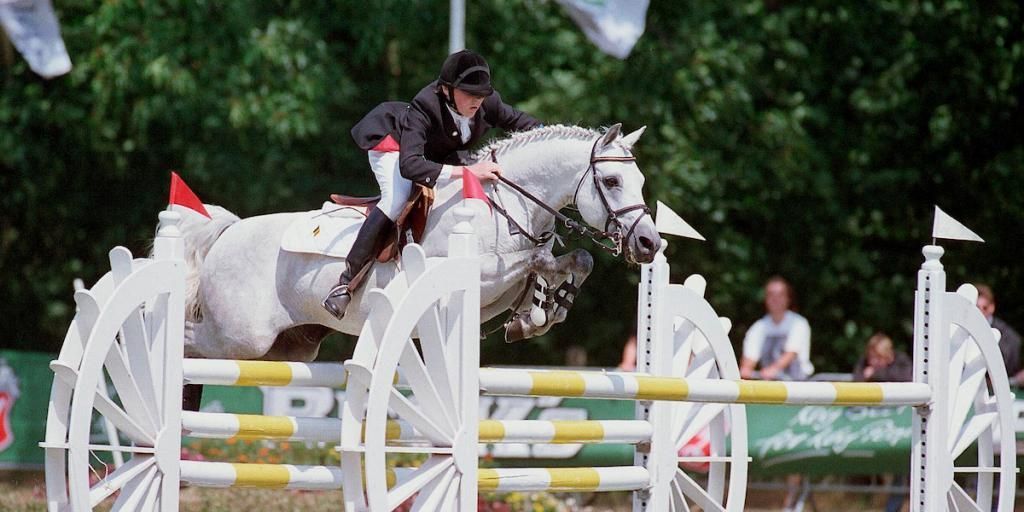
<point>601,238</point>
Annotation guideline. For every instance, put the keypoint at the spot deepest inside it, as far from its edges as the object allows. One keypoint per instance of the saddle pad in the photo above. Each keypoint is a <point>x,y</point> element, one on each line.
<point>329,231</point>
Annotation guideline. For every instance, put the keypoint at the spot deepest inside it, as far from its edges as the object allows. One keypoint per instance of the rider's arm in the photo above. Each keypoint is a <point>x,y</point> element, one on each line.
<point>416,167</point>
<point>507,117</point>
<point>413,163</point>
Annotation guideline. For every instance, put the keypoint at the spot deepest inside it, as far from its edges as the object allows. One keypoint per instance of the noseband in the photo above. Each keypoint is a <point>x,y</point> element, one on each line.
<point>616,237</point>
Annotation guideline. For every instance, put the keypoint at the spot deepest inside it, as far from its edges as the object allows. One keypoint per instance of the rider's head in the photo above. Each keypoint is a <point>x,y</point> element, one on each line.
<point>465,81</point>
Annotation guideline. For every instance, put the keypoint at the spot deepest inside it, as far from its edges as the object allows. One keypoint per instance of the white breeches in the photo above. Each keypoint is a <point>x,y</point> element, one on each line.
<point>394,189</point>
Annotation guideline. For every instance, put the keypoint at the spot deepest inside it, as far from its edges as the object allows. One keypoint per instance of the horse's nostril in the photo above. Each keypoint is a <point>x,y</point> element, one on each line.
<point>647,244</point>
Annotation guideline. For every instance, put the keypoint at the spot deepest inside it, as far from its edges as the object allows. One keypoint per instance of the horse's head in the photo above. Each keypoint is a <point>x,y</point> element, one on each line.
<point>609,196</point>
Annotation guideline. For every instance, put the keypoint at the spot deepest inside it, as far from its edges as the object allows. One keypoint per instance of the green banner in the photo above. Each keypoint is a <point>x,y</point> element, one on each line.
<point>822,440</point>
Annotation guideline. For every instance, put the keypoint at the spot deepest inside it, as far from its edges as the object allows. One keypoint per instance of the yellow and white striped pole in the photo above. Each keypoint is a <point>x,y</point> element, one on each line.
<point>631,386</point>
<point>623,478</point>
<point>229,372</point>
<point>209,425</point>
<point>311,478</point>
<point>272,476</point>
<point>267,476</point>
<point>560,432</point>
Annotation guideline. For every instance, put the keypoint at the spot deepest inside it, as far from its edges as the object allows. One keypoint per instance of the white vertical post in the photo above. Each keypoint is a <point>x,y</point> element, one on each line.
<point>457,26</point>
<point>170,340</point>
<point>931,465</point>
<point>462,244</point>
<point>651,358</point>
<point>169,244</point>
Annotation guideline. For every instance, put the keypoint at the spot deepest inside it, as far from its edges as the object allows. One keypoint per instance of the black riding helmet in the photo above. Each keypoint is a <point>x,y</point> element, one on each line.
<point>468,71</point>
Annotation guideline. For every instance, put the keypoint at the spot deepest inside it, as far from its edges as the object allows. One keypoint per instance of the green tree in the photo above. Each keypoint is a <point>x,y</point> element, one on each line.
<point>806,140</point>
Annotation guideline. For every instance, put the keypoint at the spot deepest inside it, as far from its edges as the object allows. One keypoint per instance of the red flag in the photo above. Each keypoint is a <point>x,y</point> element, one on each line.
<point>471,187</point>
<point>183,196</point>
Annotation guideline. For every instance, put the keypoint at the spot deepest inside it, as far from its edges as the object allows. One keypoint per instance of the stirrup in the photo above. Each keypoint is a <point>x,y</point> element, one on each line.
<point>337,301</point>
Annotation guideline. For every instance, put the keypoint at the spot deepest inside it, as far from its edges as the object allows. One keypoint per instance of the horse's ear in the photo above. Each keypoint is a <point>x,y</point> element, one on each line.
<point>612,134</point>
<point>630,140</point>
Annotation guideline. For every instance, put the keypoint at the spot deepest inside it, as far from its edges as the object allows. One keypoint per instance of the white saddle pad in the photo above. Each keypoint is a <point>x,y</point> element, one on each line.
<point>329,231</point>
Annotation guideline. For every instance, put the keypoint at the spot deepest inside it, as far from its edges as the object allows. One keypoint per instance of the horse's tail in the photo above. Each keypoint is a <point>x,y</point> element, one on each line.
<point>199,234</point>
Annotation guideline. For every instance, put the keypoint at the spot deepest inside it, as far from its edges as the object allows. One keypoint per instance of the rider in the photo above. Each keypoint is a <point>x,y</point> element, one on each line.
<point>424,142</point>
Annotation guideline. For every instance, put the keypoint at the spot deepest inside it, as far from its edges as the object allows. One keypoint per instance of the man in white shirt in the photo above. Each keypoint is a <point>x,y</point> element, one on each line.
<point>779,344</point>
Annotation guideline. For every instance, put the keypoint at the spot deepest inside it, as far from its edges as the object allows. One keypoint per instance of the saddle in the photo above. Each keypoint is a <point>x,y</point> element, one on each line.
<point>410,224</point>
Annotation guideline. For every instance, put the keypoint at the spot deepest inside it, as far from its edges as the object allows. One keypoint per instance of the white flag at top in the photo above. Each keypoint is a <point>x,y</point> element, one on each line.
<point>32,26</point>
<point>948,228</point>
<point>613,25</point>
<point>670,223</point>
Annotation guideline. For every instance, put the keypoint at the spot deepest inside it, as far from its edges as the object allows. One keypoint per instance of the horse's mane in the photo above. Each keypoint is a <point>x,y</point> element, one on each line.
<point>519,139</point>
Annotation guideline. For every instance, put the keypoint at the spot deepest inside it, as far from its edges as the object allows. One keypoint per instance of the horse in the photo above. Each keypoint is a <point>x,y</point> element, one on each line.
<point>249,299</point>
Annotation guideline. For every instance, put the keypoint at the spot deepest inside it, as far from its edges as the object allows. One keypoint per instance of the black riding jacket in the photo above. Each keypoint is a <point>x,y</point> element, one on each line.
<point>427,134</point>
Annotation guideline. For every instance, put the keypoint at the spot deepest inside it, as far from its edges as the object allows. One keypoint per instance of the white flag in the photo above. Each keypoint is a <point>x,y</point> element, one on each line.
<point>670,223</point>
<point>948,228</point>
<point>32,26</point>
<point>613,25</point>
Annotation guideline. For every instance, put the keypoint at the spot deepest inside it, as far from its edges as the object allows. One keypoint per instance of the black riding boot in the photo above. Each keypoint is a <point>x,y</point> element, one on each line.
<point>362,253</point>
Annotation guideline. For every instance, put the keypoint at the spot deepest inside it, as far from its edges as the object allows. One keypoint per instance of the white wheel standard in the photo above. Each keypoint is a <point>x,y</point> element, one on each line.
<point>119,338</point>
<point>436,405</point>
<point>980,411</point>
<point>711,473</point>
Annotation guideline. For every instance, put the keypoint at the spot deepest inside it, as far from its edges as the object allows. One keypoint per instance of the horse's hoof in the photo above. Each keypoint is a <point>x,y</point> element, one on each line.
<point>336,304</point>
<point>514,332</point>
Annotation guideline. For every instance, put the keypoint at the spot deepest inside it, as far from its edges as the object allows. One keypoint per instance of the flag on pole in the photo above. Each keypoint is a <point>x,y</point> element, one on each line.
<point>471,187</point>
<point>32,27</point>
<point>948,228</point>
<point>670,223</point>
<point>181,195</point>
<point>614,26</point>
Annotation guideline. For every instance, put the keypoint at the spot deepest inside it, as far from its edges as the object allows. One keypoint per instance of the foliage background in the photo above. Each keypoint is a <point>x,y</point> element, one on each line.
<point>810,140</point>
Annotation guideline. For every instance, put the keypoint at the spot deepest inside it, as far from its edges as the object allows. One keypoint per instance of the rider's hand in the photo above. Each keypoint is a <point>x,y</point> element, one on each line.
<point>485,171</point>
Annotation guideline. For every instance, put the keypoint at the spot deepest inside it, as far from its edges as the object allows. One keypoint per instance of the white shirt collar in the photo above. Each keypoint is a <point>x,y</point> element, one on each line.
<point>464,123</point>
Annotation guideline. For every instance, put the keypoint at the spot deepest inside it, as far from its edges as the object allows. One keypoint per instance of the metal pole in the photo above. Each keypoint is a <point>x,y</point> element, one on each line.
<point>457,26</point>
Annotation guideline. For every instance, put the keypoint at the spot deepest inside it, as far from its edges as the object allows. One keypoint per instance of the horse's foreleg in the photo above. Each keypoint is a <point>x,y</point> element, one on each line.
<point>575,268</point>
<point>556,283</point>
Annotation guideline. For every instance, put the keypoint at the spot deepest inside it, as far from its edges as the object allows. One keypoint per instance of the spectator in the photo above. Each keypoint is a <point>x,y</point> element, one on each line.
<point>1009,342</point>
<point>779,344</point>
<point>881,363</point>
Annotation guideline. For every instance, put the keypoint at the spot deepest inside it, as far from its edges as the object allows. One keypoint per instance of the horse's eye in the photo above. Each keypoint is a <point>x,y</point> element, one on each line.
<point>611,182</point>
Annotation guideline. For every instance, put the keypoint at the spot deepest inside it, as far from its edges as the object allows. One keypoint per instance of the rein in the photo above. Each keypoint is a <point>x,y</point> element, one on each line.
<point>598,237</point>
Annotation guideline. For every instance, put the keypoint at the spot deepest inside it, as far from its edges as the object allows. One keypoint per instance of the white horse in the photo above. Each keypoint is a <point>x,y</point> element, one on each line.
<point>249,299</point>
